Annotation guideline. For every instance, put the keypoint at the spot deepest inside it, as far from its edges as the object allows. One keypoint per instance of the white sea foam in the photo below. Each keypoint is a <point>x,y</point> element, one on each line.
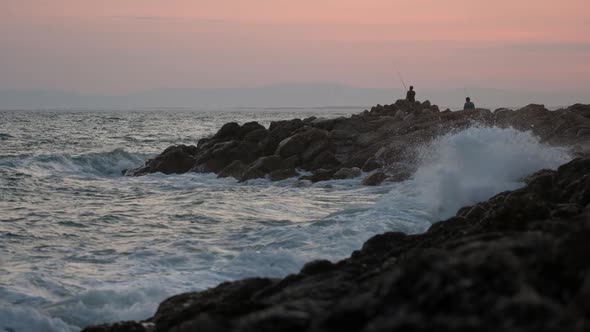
<point>108,163</point>
<point>472,165</point>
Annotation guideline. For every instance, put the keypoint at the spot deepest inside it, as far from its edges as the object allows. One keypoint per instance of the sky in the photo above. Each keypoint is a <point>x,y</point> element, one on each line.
<point>125,46</point>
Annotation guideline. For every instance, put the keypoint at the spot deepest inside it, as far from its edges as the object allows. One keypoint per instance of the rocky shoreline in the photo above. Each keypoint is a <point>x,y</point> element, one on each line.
<point>381,141</point>
<point>517,262</point>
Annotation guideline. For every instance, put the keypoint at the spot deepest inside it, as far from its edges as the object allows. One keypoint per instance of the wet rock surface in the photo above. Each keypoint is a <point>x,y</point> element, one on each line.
<point>516,262</point>
<point>384,136</point>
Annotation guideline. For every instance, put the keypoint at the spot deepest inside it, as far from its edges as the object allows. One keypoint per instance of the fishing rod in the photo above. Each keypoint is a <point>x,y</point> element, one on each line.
<point>399,75</point>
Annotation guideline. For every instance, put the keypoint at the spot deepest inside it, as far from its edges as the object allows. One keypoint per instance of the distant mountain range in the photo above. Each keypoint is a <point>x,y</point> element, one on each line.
<point>277,96</point>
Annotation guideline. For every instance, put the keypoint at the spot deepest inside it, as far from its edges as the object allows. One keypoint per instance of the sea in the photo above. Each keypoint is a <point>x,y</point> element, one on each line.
<point>82,244</point>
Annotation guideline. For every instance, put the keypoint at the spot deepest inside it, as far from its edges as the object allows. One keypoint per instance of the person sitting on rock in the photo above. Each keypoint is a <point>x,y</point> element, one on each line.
<point>411,95</point>
<point>468,104</point>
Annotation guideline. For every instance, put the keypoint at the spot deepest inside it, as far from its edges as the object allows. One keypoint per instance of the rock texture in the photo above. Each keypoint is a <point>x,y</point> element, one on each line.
<point>382,139</point>
<point>517,262</point>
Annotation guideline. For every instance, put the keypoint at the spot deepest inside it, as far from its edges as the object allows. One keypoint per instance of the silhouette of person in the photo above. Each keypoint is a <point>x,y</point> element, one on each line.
<point>411,95</point>
<point>468,104</point>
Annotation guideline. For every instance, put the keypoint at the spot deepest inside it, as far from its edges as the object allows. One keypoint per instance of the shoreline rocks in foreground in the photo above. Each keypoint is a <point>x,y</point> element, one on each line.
<point>381,141</point>
<point>517,262</point>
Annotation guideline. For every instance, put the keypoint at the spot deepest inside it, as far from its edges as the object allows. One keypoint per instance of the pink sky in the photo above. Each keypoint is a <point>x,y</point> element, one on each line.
<point>121,46</point>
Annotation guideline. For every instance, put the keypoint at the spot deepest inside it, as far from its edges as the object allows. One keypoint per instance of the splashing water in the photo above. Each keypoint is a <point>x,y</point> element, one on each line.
<point>470,166</point>
<point>80,244</point>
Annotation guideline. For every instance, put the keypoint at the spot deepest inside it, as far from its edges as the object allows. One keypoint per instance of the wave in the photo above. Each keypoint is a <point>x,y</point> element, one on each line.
<point>472,165</point>
<point>110,163</point>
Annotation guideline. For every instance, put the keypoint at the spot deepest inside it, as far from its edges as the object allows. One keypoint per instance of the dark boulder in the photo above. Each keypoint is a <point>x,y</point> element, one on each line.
<point>228,130</point>
<point>298,143</point>
<point>291,146</point>
<point>236,169</point>
<point>371,164</point>
<point>269,163</point>
<point>283,129</point>
<point>248,128</point>
<point>325,160</point>
<point>174,160</point>
<point>375,178</point>
<point>347,173</point>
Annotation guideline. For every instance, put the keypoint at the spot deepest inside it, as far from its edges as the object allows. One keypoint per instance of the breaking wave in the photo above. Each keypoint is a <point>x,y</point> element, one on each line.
<point>466,167</point>
<point>110,163</point>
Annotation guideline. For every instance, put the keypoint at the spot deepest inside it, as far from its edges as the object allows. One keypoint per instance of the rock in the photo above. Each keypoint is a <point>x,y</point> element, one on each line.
<point>323,160</point>
<point>269,163</point>
<point>230,129</point>
<point>252,173</point>
<point>291,146</point>
<point>388,133</point>
<point>236,169</point>
<point>314,149</point>
<point>322,175</point>
<point>174,160</point>
<point>284,129</point>
<point>257,135</point>
<point>371,164</point>
<point>298,143</point>
<point>317,267</point>
<point>374,179</point>
<point>347,173</point>
<point>249,127</point>
<point>283,174</point>
<point>324,124</point>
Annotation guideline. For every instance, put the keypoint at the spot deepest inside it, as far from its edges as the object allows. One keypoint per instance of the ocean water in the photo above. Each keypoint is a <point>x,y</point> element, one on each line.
<point>81,244</point>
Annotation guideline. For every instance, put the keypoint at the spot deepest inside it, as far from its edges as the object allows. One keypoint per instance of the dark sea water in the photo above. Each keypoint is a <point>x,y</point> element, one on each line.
<point>81,244</point>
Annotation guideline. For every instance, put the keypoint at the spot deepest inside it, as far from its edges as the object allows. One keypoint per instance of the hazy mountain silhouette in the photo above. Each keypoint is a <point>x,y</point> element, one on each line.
<point>277,96</point>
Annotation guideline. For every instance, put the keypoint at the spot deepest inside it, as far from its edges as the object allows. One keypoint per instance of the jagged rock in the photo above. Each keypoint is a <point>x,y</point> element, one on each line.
<point>324,124</point>
<point>389,133</point>
<point>375,178</point>
<point>323,160</point>
<point>371,164</point>
<point>317,267</point>
<point>252,173</point>
<point>257,135</point>
<point>291,146</point>
<point>230,129</point>
<point>249,127</point>
<point>314,149</point>
<point>298,143</point>
<point>269,163</point>
<point>174,160</point>
<point>284,129</point>
<point>347,173</point>
<point>236,169</point>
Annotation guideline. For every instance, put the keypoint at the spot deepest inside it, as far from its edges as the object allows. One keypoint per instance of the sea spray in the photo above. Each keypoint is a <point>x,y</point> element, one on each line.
<point>469,166</point>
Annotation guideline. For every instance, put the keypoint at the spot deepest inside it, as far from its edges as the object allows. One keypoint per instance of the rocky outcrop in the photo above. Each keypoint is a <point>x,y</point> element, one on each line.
<point>383,138</point>
<point>517,262</point>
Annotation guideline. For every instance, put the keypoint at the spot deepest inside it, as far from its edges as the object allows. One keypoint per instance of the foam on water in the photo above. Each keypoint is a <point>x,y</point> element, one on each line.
<point>470,166</point>
<point>108,163</point>
<point>83,245</point>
